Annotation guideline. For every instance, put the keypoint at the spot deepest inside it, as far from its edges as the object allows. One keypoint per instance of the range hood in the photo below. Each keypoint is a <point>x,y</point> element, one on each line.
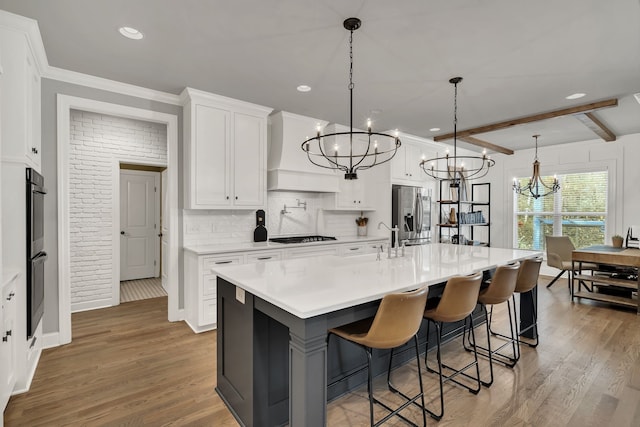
<point>288,168</point>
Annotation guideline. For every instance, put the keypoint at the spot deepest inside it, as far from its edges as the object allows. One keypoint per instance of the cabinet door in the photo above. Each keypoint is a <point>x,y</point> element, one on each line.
<point>249,161</point>
<point>32,111</point>
<point>210,158</point>
<point>414,157</point>
<point>351,193</point>
<point>398,167</point>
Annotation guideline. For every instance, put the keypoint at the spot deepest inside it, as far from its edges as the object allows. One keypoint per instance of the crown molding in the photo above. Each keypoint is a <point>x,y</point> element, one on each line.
<point>95,82</point>
<point>30,29</point>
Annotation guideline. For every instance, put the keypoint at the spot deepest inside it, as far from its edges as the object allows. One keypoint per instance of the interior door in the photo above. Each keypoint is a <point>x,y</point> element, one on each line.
<point>139,210</point>
<point>164,228</point>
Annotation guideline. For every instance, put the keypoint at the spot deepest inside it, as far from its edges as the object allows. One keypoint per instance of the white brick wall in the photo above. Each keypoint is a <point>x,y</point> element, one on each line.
<point>97,141</point>
<point>227,226</point>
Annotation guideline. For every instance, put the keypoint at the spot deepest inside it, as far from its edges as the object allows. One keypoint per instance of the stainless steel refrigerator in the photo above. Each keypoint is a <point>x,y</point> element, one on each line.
<point>411,212</point>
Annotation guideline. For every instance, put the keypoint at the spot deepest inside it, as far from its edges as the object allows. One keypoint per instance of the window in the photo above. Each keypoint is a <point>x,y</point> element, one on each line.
<point>577,210</point>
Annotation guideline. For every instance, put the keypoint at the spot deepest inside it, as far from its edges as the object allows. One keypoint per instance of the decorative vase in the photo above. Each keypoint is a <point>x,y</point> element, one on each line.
<point>362,230</point>
<point>452,216</point>
<point>617,241</point>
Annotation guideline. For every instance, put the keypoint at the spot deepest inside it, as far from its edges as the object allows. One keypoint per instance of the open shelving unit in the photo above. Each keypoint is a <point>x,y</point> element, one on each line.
<point>473,217</point>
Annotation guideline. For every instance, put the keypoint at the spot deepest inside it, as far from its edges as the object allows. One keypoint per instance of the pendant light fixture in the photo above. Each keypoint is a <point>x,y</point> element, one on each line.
<point>353,150</point>
<point>457,168</point>
<point>536,184</point>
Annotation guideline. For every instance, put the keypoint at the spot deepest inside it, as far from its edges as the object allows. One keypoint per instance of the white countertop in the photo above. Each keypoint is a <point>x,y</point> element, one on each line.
<point>308,287</point>
<point>258,246</point>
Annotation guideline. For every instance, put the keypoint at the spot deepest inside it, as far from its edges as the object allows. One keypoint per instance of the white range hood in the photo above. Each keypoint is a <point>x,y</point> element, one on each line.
<point>288,168</point>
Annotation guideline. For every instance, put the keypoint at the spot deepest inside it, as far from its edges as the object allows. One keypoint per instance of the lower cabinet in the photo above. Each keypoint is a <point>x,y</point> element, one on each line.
<point>201,282</point>
<point>7,344</point>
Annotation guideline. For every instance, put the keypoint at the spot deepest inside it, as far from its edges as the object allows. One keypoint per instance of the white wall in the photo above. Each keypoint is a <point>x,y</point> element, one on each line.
<point>97,143</point>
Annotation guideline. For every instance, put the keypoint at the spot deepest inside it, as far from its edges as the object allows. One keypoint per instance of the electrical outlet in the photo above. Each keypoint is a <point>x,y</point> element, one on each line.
<point>240,295</point>
<point>193,228</point>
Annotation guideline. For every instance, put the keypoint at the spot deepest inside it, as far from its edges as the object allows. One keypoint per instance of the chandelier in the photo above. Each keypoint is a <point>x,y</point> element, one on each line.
<point>354,150</point>
<point>453,168</point>
<point>536,183</point>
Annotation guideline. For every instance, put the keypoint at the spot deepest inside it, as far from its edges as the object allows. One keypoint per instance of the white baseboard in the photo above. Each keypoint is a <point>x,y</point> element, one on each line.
<point>91,305</point>
<point>50,340</point>
<point>199,329</point>
<point>30,374</point>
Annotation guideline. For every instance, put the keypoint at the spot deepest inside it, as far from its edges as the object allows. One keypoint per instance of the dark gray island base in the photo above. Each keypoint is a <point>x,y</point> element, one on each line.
<point>263,352</point>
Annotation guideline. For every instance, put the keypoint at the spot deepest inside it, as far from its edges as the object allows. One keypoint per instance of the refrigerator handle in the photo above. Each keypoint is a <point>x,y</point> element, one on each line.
<point>419,212</point>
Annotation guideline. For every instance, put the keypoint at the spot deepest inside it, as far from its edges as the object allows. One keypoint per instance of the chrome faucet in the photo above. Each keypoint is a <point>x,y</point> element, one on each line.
<point>394,237</point>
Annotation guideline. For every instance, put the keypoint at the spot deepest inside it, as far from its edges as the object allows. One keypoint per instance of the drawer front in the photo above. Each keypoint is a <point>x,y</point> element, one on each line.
<point>209,285</point>
<point>208,312</point>
<point>264,256</point>
<point>309,252</point>
<point>360,248</point>
<point>216,261</point>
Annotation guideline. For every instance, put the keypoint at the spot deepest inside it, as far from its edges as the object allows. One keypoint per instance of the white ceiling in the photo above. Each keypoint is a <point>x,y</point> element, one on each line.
<point>517,57</point>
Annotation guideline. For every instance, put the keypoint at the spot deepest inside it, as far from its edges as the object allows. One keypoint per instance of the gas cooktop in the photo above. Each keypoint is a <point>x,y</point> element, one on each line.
<point>301,239</point>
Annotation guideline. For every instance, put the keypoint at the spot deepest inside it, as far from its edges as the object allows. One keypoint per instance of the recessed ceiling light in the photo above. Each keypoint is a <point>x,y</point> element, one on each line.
<point>434,129</point>
<point>575,95</point>
<point>303,88</point>
<point>130,33</point>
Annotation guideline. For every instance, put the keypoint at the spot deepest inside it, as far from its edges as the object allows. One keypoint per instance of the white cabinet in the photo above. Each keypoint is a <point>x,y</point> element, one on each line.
<point>352,195</point>
<point>200,288</point>
<point>7,344</point>
<point>225,152</point>
<point>21,140</point>
<point>201,283</point>
<point>405,166</point>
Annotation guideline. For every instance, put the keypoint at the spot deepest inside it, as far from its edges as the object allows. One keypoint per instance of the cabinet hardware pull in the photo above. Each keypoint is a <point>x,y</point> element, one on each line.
<point>11,295</point>
<point>9,332</point>
<point>223,262</point>
<point>5,339</point>
<point>236,197</point>
<point>354,249</point>
<point>227,197</point>
<point>264,257</point>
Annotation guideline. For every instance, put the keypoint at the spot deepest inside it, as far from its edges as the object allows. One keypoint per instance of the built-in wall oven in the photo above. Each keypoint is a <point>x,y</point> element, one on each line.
<point>35,253</point>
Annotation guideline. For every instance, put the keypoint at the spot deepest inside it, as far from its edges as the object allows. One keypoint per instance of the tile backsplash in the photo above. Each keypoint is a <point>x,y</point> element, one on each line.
<point>227,226</point>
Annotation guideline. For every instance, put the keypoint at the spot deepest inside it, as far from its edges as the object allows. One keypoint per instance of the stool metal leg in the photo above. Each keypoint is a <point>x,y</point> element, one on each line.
<point>455,372</point>
<point>495,355</point>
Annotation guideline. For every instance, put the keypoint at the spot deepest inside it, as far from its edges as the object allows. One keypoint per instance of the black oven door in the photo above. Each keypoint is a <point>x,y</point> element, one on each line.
<point>35,212</point>
<point>35,292</point>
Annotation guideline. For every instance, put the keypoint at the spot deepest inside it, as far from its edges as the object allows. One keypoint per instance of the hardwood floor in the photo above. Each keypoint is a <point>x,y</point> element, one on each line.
<point>128,366</point>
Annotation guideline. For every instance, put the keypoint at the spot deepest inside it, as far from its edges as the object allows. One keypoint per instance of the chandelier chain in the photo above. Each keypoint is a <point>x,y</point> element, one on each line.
<point>351,60</point>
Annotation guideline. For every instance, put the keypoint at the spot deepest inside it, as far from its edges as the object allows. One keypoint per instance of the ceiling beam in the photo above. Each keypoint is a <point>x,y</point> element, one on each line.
<point>596,126</point>
<point>487,145</point>
<point>529,119</point>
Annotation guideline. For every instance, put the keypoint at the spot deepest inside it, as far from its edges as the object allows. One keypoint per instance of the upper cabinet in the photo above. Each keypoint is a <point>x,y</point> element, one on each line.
<point>405,166</point>
<point>20,88</point>
<point>224,152</point>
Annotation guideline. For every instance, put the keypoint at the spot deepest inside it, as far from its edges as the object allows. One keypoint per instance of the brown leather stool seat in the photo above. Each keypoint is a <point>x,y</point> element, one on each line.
<point>396,322</point>
<point>526,282</point>
<point>457,303</point>
<point>500,290</point>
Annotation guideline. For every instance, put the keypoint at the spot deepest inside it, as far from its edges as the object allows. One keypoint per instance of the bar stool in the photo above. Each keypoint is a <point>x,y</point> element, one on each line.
<point>500,290</point>
<point>458,300</point>
<point>527,280</point>
<point>396,322</point>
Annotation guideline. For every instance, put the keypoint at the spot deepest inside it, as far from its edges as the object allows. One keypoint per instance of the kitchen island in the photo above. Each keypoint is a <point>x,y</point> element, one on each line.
<point>272,359</point>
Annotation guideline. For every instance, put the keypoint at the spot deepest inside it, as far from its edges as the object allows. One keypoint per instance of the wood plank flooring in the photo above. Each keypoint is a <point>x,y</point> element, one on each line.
<point>128,366</point>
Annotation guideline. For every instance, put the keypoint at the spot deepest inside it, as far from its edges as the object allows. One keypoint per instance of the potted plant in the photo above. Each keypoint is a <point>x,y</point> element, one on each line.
<point>362,225</point>
<point>617,240</point>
